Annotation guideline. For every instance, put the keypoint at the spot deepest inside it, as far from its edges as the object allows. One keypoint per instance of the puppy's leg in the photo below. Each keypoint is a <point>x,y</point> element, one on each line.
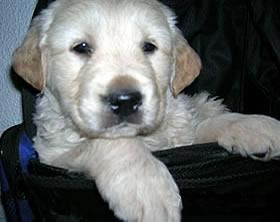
<point>246,134</point>
<point>137,186</point>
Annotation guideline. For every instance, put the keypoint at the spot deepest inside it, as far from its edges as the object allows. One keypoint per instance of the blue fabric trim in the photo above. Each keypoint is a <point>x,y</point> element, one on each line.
<point>18,208</point>
<point>3,179</point>
<point>26,152</point>
<point>25,211</point>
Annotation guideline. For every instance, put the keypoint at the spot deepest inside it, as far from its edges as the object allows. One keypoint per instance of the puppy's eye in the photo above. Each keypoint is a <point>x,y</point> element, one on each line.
<point>149,47</point>
<point>82,48</point>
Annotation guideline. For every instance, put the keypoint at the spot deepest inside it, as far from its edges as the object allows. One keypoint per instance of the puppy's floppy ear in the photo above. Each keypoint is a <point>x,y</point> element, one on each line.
<point>187,64</point>
<point>27,59</point>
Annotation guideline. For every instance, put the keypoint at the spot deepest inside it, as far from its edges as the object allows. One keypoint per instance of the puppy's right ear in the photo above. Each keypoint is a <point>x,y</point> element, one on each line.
<point>188,64</point>
<point>27,59</point>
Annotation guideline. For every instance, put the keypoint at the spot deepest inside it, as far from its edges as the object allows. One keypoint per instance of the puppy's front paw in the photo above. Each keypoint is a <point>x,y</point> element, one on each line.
<point>255,136</point>
<point>145,194</point>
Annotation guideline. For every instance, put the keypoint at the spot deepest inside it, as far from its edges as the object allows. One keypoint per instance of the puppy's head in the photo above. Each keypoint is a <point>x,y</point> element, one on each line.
<point>109,63</point>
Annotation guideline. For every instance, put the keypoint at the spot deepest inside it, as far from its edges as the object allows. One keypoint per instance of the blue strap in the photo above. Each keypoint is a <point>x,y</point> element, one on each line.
<point>26,152</point>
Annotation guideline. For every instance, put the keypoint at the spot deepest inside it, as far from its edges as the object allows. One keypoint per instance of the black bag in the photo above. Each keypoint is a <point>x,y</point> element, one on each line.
<point>239,43</point>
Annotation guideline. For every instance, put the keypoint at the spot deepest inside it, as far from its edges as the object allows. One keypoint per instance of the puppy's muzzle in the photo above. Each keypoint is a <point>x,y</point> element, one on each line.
<point>125,103</point>
<point>124,107</point>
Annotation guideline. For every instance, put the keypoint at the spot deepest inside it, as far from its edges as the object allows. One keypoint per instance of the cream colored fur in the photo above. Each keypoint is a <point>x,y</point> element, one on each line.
<point>71,118</point>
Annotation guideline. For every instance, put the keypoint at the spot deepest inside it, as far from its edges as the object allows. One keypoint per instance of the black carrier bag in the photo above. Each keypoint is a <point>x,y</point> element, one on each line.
<point>239,44</point>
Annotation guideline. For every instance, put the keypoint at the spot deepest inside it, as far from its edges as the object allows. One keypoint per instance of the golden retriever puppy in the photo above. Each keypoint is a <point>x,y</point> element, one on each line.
<point>110,73</point>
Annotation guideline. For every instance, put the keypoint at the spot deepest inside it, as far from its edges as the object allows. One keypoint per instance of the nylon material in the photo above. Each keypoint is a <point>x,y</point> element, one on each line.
<point>26,152</point>
<point>267,18</point>
<point>25,211</point>
<point>264,54</point>
<point>3,179</point>
<point>220,42</point>
<point>219,32</point>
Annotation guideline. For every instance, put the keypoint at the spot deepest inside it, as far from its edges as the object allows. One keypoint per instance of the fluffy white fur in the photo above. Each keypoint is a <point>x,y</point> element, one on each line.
<point>71,117</point>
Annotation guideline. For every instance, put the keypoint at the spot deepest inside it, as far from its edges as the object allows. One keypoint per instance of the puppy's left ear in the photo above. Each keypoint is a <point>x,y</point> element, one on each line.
<point>187,64</point>
<point>27,59</point>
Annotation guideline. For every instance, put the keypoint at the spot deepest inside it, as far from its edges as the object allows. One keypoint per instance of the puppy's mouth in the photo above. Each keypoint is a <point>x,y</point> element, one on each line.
<point>113,120</point>
<point>123,129</point>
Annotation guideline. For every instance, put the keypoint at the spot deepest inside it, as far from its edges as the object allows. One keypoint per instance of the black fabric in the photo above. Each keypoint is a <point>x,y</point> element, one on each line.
<point>238,42</point>
<point>9,164</point>
<point>214,184</point>
<point>207,175</point>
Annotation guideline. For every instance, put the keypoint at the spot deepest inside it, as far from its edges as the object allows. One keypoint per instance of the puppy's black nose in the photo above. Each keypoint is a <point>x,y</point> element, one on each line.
<point>125,103</point>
